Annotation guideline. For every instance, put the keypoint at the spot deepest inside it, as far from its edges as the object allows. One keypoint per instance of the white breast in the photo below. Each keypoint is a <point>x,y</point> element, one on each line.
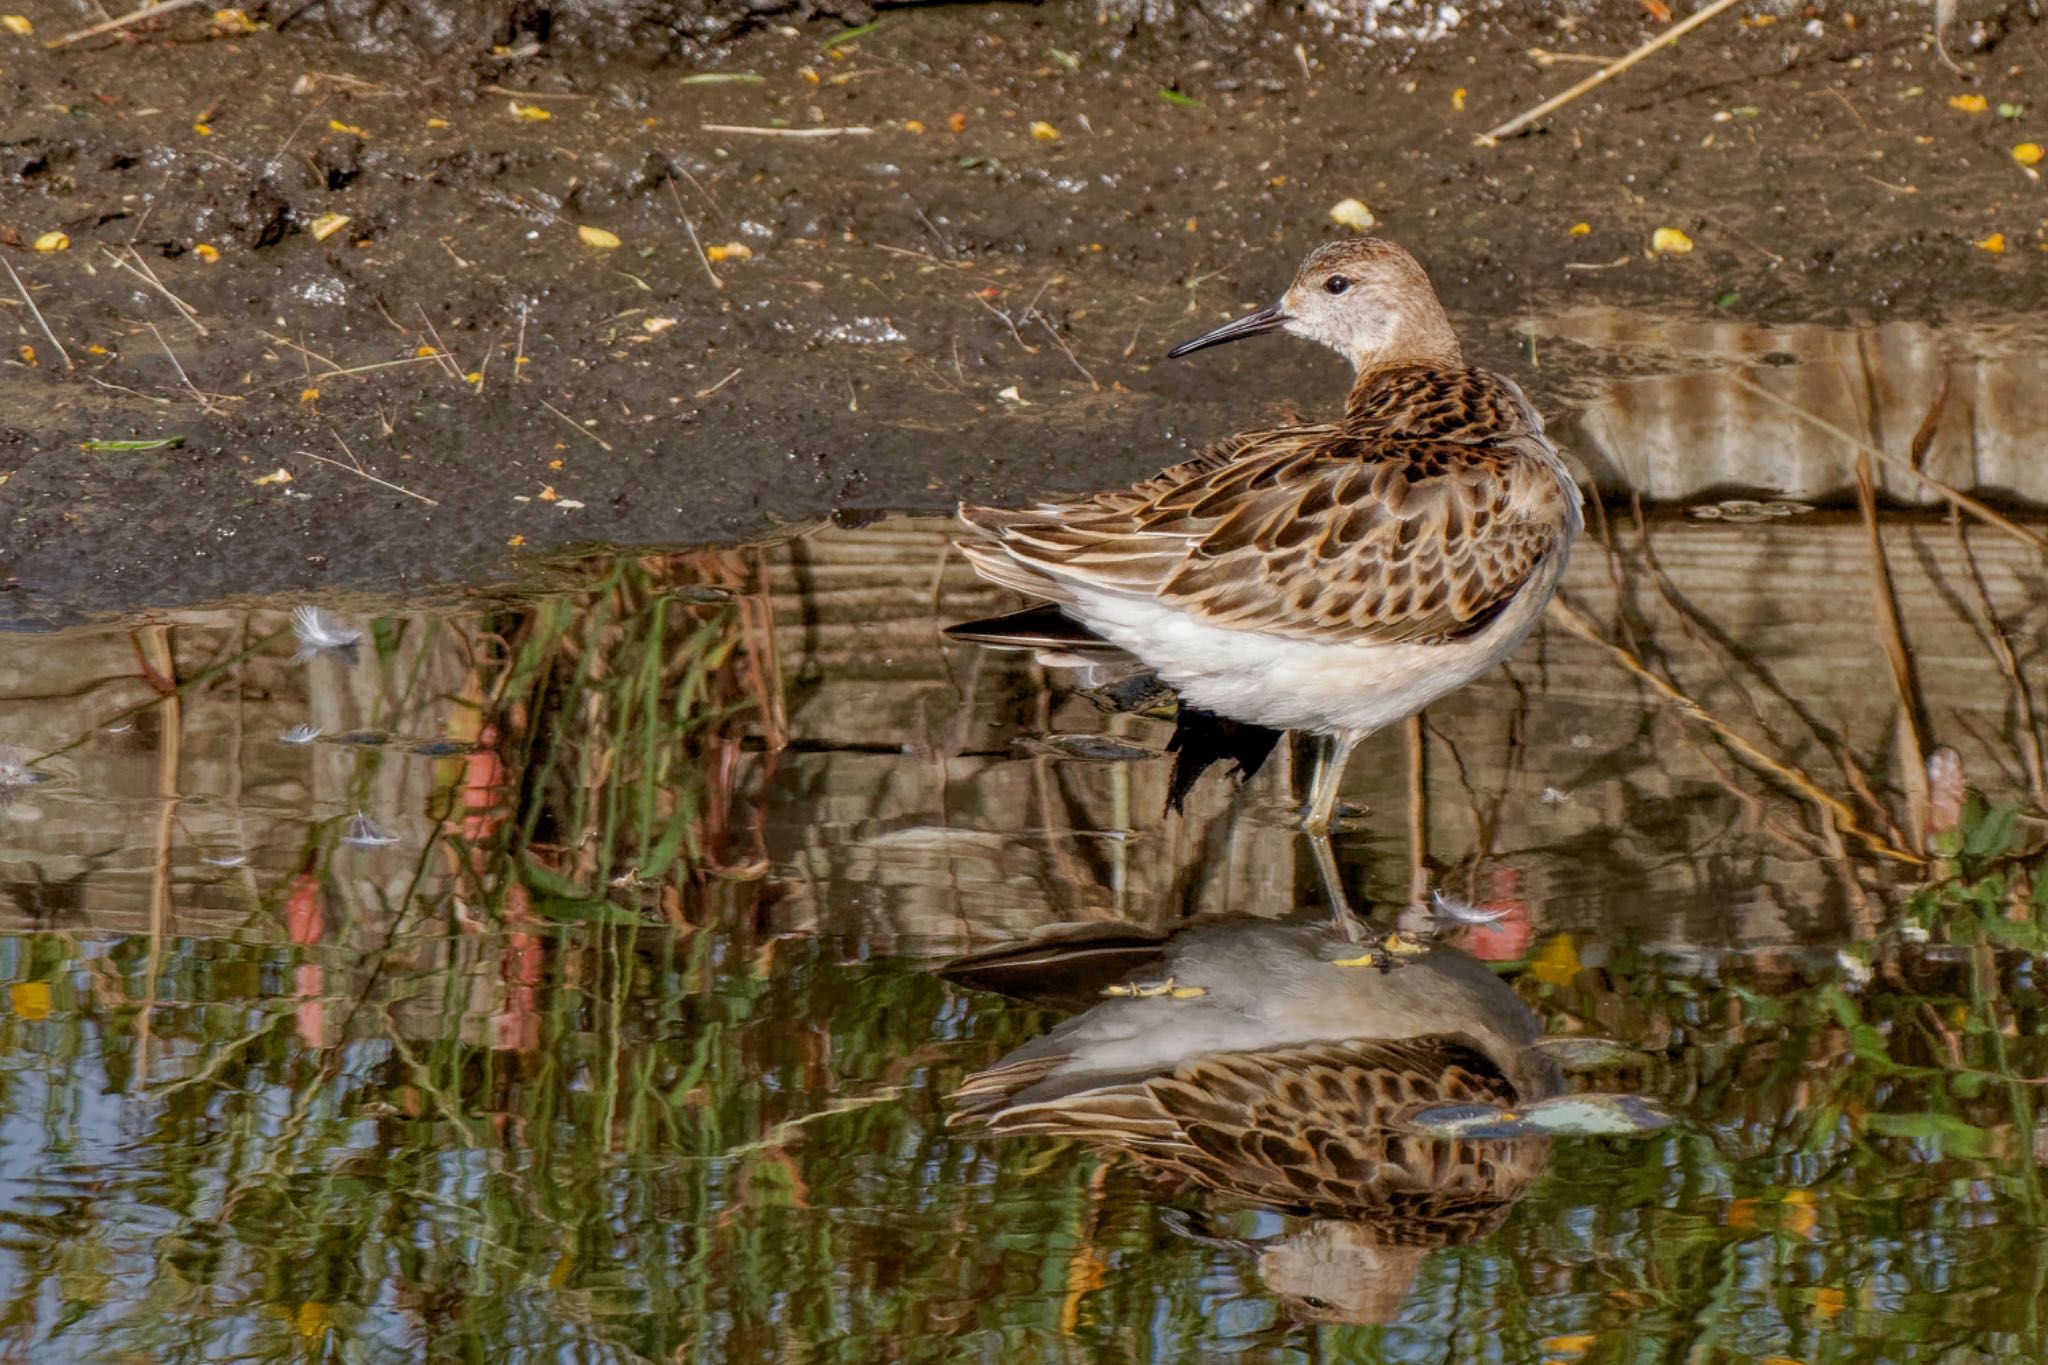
<point>1296,684</point>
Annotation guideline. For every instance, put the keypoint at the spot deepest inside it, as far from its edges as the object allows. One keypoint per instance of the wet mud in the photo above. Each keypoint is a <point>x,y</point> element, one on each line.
<point>969,299</point>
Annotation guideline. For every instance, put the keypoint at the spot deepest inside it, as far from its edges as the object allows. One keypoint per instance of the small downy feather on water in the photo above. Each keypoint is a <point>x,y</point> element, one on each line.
<point>321,632</point>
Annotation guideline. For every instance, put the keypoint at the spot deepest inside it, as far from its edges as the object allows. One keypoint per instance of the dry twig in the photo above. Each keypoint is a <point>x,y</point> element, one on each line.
<point>37,313</point>
<point>1954,495</point>
<point>132,17</point>
<point>1605,73</point>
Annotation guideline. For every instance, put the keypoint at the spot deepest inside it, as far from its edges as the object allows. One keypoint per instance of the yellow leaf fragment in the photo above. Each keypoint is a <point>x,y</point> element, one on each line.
<point>730,251</point>
<point>207,252</point>
<point>31,999</point>
<point>53,241</point>
<point>309,395</point>
<point>1458,99</point>
<point>1353,214</point>
<point>911,125</point>
<point>278,475</point>
<point>1969,104</point>
<point>312,1319</point>
<point>548,493</point>
<point>1044,131</point>
<point>599,238</point>
<point>203,129</point>
<point>437,123</point>
<point>2029,153</point>
<point>810,74</point>
<point>1574,1345</point>
<point>17,25</point>
<point>235,20</point>
<point>1558,963</point>
<point>424,351</point>
<point>516,541</point>
<point>1994,244</point>
<point>326,225</point>
<point>531,112</point>
<point>97,349</point>
<point>1669,241</point>
<point>338,126</point>
<point>1581,229</point>
<point>28,356</point>
<point>474,377</point>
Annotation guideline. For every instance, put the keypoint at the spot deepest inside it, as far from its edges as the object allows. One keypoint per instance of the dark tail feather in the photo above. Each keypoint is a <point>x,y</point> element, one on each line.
<point>1201,740</point>
<point>1041,627</point>
<point>1065,965</point>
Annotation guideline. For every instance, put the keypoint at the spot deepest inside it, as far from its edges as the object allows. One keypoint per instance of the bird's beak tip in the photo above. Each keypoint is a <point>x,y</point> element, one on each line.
<point>1269,319</point>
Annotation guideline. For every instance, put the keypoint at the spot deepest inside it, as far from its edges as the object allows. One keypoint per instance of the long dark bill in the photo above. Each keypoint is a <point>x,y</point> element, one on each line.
<point>1268,319</point>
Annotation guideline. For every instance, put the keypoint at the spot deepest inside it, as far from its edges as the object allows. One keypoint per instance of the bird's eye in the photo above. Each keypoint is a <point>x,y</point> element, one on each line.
<point>1336,284</point>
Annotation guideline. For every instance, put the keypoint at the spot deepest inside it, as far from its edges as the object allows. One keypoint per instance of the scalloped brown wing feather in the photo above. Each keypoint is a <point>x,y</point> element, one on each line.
<point>1311,534</point>
<point>1310,1129</point>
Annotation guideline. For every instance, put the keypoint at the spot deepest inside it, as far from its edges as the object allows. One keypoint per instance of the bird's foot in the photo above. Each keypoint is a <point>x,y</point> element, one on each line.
<point>1167,988</point>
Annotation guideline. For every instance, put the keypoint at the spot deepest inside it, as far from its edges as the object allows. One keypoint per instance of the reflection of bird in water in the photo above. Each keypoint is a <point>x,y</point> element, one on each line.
<point>1248,1060</point>
<point>1328,578</point>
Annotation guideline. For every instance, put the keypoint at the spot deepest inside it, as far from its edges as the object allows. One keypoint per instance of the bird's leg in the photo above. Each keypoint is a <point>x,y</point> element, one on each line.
<point>1330,764</point>
<point>1341,916</point>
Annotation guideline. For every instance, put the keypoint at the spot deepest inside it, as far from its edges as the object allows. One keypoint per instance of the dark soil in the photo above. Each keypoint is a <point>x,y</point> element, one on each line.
<point>964,311</point>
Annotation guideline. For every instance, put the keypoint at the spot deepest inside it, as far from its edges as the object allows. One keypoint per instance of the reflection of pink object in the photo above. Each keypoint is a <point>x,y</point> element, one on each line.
<point>1510,936</point>
<point>303,920</point>
<point>483,783</point>
<point>516,1028</point>
<point>309,980</point>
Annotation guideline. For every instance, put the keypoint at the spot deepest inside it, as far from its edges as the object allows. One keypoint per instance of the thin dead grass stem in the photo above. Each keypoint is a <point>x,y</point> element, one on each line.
<point>37,314</point>
<point>1833,810</point>
<point>1955,496</point>
<point>1999,643</point>
<point>1606,73</point>
<point>136,16</point>
<point>1884,601</point>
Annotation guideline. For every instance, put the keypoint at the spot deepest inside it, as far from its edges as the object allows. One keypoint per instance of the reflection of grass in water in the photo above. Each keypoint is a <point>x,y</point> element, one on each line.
<point>1848,1131</point>
<point>618,713</point>
<point>615,1120</point>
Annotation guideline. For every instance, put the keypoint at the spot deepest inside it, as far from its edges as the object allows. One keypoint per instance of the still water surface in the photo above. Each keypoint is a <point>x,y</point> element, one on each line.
<point>632,1042</point>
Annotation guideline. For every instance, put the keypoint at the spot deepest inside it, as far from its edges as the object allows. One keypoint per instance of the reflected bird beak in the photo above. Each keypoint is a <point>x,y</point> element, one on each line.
<point>1268,319</point>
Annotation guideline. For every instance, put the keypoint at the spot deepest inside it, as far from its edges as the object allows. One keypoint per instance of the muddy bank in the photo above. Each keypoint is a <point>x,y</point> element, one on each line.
<point>967,299</point>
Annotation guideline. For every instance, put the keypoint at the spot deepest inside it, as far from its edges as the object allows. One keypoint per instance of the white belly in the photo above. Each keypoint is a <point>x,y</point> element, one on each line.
<point>1292,684</point>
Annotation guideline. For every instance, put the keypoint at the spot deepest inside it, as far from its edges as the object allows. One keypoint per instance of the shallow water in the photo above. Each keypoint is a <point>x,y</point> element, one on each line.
<point>632,1044</point>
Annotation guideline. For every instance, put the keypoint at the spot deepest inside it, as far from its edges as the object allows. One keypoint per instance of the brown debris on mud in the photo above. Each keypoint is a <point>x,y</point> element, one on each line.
<point>569,274</point>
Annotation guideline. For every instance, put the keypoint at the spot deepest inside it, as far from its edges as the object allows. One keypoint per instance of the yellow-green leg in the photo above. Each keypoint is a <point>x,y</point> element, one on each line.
<point>1341,917</point>
<point>1330,764</point>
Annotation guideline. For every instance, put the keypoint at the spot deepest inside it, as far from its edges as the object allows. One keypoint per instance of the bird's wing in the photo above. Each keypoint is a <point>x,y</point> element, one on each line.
<point>1308,533</point>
